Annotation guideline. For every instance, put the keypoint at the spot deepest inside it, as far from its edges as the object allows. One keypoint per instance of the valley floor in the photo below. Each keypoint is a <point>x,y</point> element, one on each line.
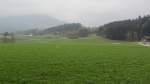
<point>81,61</point>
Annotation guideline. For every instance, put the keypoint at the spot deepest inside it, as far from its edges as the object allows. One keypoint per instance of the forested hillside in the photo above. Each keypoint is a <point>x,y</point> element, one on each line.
<point>63,28</point>
<point>130,30</point>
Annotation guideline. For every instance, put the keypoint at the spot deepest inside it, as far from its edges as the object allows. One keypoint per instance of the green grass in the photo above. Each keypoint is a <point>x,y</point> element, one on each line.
<point>81,61</point>
<point>92,39</point>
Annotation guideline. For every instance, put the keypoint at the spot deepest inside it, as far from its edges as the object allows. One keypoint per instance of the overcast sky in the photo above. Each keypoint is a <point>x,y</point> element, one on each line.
<point>88,12</point>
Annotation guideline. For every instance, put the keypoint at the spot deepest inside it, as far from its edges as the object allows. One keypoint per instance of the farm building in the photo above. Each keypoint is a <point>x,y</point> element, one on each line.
<point>7,37</point>
<point>29,35</point>
<point>146,40</point>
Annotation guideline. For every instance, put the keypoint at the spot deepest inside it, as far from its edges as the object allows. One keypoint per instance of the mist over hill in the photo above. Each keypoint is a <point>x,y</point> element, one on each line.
<point>61,29</point>
<point>18,23</point>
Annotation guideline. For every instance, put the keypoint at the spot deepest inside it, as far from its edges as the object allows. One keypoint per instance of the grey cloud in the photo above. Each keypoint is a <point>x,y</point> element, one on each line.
<point>89,12</point>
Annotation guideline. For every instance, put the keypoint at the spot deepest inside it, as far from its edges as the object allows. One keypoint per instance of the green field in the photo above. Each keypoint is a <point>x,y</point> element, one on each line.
<point>90,60</point>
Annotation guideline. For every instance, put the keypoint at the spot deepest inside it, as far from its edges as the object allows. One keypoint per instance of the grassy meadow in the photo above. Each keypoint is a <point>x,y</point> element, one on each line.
<point>92,60</point>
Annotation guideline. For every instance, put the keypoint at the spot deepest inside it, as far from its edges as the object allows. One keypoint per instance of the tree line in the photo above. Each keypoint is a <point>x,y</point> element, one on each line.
<point>131,30</point>
<point>72,30</point>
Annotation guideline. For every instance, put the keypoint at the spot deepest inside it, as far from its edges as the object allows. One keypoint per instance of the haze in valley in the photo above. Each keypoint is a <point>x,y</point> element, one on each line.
<point>87,12</point>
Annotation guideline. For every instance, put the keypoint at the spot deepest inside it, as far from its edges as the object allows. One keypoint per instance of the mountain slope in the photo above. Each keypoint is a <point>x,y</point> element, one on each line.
<point>131,30</point>
<point>17,23</point>
<point>70,27</point>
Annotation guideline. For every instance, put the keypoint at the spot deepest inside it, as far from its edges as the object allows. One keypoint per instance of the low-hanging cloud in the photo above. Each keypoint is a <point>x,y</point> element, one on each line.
<point>88,12</point>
